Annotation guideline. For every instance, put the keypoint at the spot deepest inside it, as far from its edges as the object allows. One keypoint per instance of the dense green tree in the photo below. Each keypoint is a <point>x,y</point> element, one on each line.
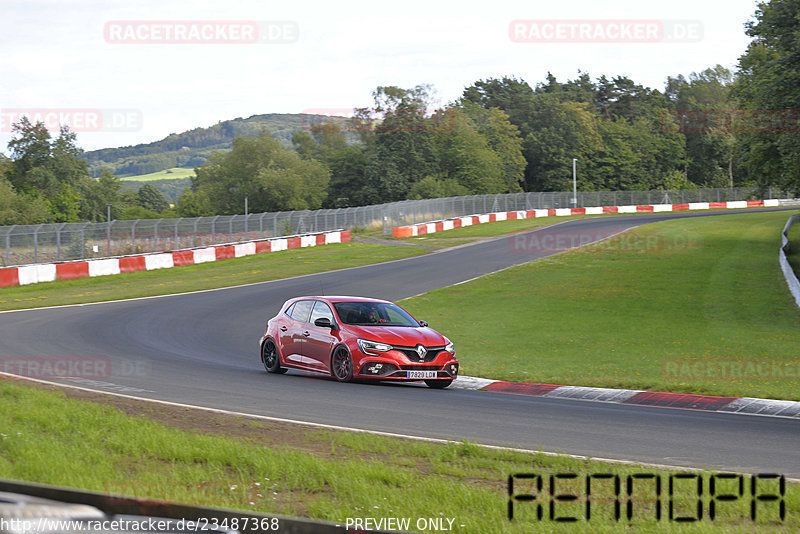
<point>52,169</point>
<point>194,204</point>
<point>65,203</point>
<point>768,87</point>
<point>97,195</point>
<point>432,187</point>
<point>511,95</point>
<point>270,176</point>
<point>614,127</point>
<point>305,145</point>
<point>138,212</point>
<point>16,208</point>
<point>464,149</point>
<point>560,132</point>
<point>703,111</point>
<point>30,150</point>
<point>323,140</point>
<point>402,141</point>
<point>6,167</point>
<point>464,156</point>
<point>504,139</point>
<point>349,185</point>
<point>151,198</point>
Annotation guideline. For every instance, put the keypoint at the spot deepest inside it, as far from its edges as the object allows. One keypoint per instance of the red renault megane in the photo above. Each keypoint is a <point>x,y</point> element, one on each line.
<point>356,338</point>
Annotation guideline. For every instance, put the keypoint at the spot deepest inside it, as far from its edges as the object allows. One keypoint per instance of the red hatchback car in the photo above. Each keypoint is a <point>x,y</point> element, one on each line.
<point>356,338</point>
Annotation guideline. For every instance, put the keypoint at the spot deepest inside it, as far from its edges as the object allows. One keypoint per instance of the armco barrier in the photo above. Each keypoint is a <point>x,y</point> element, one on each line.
<point>458,222</point>
<point>788,272</point>
<point>47,272</point>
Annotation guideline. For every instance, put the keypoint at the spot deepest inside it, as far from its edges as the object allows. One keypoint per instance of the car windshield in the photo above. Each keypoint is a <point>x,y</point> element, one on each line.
<point>373,314</point>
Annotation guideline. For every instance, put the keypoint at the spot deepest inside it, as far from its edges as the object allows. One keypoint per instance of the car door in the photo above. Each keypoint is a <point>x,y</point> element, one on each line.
<point>292,332</point>
<point>320,340</point>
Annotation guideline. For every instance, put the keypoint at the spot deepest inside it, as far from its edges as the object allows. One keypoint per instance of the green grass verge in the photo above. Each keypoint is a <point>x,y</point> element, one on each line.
<point>167,174</point>
<point>257,268</point>
<point>231,272</point>
<point>49,438</point>
<point>699,306</point>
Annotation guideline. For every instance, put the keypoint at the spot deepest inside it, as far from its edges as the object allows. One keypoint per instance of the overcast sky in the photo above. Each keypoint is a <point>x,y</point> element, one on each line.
<point>323,55</point>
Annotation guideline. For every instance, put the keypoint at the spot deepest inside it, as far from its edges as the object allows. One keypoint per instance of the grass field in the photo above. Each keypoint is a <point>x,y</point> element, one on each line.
<point>194,457</point>
<point>245,270</point>
<point>698,305</point>
<point>167,174</point>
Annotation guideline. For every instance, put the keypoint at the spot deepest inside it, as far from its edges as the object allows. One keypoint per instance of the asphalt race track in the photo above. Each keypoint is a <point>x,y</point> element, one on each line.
<point>201,349</point>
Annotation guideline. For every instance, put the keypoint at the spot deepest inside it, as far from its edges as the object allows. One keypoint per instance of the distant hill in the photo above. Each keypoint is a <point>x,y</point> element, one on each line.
<point>192,148</point>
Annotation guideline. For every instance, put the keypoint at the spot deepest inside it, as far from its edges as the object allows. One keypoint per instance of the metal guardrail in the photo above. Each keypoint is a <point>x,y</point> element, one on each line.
<point>47,243</point>
<point>788,272</point>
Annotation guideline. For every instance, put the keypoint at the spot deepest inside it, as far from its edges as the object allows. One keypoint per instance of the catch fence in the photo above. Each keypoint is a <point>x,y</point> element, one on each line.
<point>45,243</point>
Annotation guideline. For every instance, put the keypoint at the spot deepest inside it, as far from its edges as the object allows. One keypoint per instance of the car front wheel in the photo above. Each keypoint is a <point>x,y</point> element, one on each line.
<point>269,356</point>
<point>342,365</point>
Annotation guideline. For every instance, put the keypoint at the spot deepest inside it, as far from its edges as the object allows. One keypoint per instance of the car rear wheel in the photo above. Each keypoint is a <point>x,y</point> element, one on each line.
<point>269,356</point>
<point>342,365</point>
<point>439,384</point>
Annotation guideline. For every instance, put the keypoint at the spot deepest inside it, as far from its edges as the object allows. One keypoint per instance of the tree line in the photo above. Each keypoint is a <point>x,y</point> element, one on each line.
<point>715,128</point>
<point>47,181</point>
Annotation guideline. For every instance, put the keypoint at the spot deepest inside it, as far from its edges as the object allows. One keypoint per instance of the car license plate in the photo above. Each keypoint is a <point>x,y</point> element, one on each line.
<point>422,374</point>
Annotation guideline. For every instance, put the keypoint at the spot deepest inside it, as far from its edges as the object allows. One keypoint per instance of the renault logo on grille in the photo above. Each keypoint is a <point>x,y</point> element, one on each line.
<point>421,351</point>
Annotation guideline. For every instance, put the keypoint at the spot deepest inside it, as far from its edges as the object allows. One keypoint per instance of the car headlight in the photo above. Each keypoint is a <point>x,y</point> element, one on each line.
<point>371,347</point>
<point>450,348</point>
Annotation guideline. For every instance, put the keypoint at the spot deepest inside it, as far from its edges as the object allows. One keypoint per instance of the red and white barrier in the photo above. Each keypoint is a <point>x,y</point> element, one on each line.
<point>741,405</point>
<point>48,272</point>
<point>414,230</point>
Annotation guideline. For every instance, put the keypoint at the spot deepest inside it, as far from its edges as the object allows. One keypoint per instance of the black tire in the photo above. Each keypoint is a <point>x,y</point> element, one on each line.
<point>270,358</point>
<point>439,384</point>
<point>342,364</point>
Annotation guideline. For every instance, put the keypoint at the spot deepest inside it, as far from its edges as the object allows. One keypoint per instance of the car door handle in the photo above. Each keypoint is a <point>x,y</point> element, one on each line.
<point>306,333</point>
<point>284,329</point>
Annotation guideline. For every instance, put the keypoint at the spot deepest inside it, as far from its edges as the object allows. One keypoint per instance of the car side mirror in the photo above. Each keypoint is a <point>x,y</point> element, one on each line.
<point>423,323</point>
<point>324,322</point>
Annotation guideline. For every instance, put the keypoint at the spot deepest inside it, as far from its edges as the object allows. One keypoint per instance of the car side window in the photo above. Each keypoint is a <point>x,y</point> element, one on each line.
<point>301,310</point>
<point>289,310</point>
<point>321,310</point>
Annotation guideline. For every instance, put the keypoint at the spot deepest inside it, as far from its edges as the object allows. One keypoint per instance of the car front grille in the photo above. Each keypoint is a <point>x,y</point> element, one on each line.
<point>411,353</point>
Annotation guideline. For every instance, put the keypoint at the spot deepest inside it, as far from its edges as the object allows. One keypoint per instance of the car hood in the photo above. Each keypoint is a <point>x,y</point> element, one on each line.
<point>400,335</point>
